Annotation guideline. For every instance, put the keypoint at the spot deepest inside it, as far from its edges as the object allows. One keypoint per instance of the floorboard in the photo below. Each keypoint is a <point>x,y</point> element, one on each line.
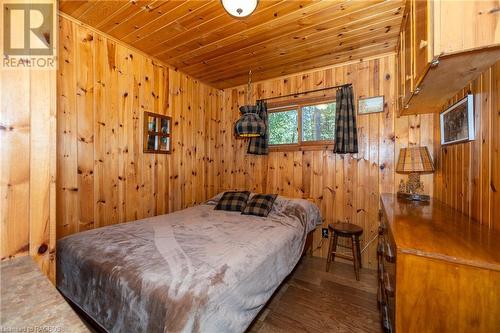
<point>312,300</point>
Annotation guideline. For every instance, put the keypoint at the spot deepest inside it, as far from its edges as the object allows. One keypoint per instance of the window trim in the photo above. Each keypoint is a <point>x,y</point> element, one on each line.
<point>301,145</point>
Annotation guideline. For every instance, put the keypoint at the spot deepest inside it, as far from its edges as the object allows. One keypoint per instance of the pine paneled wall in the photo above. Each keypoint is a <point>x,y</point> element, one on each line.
<point>468,174</point>
<point>104,177</point>
<point>28,165</point>
<point>345,187</point>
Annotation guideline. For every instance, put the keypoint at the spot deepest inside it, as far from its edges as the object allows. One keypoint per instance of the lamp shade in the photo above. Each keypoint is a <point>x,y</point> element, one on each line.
<point>250,124</point>
<point>414,160</point>
<point>239,8</point>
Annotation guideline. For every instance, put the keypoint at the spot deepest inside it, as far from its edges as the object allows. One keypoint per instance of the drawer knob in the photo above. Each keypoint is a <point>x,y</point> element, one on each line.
<point>387,285</point>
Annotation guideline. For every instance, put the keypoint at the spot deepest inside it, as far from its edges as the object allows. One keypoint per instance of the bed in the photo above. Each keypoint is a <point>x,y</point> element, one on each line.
<point>194,270</point>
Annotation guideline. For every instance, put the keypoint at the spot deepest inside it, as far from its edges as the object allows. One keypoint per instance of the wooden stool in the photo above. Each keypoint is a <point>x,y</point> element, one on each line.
<point>348,230</point>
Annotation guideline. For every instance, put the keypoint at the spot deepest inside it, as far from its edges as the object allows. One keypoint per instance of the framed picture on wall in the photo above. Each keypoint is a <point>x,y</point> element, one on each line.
<point>157,133</point>
<point>457,122</point>
<point>370,105</point>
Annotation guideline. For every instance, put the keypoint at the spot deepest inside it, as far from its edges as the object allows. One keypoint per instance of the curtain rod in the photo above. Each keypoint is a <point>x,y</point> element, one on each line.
<point>306,92</point>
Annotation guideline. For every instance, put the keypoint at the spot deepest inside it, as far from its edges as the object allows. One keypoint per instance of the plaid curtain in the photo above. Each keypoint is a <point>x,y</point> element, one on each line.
<point>260,145</point>
<point>346,134</point>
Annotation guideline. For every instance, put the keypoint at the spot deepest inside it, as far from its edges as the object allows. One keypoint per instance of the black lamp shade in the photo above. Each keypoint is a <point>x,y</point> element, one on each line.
<point>250,124</point>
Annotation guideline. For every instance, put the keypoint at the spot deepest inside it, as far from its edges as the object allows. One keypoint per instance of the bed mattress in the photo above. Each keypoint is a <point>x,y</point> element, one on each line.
<point>195,270</point>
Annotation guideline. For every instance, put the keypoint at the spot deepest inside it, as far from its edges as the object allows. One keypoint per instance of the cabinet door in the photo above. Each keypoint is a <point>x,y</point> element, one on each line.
<point>464,26</point>
<point>400,71</point>
<point>408,57</point>
<point>421,41</point>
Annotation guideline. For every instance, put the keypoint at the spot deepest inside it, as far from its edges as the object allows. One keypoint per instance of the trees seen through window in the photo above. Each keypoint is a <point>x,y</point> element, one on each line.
<point>302,124</point>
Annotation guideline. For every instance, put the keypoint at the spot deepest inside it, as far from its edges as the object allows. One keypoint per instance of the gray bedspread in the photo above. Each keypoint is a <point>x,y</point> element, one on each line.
<point>195,270</point>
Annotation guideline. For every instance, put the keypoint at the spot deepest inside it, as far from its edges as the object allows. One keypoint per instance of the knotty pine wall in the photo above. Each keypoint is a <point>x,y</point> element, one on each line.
<point>28,165</point>
<point>468,174</point>
<point>345,187</point>
<point>103,176</point>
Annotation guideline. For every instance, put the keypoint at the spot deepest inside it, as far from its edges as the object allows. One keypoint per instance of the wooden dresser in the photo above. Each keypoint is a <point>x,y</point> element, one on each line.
<point>439,271</point>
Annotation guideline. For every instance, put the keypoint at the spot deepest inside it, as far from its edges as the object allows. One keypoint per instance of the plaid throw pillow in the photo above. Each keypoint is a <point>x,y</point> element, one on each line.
<point>260,205</point>
<point>233,201</point>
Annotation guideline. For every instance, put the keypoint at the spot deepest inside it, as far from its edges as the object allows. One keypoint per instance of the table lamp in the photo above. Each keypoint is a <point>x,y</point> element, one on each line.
<point>414,161</point>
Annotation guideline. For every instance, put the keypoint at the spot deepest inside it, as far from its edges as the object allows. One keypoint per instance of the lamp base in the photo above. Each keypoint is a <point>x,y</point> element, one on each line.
<point>414,197</point>
<point>414,185</point>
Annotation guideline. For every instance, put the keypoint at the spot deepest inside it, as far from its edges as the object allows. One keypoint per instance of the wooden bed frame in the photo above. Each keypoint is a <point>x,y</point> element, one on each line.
<point>309,244</point>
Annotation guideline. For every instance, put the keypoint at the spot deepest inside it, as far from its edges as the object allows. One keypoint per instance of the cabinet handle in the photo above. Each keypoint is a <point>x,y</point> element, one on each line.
<point>389,256</point>
<point>408,77</point>
<point>386,322</point>
<point>423,44</point>
<point>387,285</point>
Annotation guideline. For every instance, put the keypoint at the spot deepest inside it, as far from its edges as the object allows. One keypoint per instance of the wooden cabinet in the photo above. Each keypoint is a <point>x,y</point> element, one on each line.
<point>438,270</point>
<point>407,57</point>
<point>421,40</point>
<point>431,32</point>
<point>415,51</point>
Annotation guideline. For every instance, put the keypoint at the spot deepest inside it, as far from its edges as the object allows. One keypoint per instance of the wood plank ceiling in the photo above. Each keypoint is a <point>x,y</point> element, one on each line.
<point>281,37</point>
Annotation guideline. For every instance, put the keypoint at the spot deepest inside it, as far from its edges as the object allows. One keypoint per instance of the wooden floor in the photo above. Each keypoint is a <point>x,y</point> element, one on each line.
<point>312,300</point>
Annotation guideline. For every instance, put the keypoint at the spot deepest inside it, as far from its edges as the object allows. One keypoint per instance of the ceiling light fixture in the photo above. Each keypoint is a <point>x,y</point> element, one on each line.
<point>239,8</point>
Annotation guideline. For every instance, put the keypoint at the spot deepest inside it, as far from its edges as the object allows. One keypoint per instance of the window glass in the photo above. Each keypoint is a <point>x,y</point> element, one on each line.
<point>318,122</point>
<point>283,127</point>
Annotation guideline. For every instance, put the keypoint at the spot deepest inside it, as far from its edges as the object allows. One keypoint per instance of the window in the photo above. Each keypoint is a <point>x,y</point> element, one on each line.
<point>157,133</point>
<point>300,125</point>
<point>283,127</point>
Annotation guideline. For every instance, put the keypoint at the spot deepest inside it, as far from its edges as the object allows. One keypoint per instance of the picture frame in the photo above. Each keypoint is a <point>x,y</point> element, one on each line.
<point>369,105</point>
<point>157,133</point>
<point>457,122</point>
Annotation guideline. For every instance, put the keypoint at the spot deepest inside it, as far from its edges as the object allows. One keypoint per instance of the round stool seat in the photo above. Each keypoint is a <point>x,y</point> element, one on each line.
<point>346,229</point>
